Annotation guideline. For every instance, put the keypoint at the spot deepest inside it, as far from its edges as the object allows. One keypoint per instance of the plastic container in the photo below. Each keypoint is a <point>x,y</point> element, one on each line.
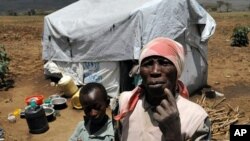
<point>67,85</point>
<point>36,119</point>
<point>75,102</point>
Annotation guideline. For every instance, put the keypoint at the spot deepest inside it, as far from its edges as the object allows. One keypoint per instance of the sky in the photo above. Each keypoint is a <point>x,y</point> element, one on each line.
<point>20,5</point>
<point>237,4</point>
<point>24,5</point>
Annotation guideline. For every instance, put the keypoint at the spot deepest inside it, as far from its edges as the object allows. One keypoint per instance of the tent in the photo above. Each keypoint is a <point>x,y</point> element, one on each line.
<point>88,39</point>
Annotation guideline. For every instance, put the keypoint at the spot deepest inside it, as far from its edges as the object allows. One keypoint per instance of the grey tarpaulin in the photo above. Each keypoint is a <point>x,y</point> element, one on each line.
<point>108,30</point>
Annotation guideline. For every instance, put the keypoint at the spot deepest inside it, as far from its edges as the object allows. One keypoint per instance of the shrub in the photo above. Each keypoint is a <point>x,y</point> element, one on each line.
<point>239,37</point>
<point>4,62</point>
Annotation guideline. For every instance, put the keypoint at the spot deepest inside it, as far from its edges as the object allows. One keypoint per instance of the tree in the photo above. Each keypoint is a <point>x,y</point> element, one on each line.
<point>228,6</point>
<point>219,5</point>
<point>12,13</point>
<point>32,12</point>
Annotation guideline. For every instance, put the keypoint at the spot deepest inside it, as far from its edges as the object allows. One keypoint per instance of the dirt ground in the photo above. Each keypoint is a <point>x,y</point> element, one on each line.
<point>228,73</point>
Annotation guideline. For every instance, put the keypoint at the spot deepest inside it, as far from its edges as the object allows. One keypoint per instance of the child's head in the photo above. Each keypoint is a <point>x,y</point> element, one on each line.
<point>94,100</point>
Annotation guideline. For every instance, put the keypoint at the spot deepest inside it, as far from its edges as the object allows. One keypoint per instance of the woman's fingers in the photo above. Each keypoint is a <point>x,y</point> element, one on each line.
<point>170,98</point>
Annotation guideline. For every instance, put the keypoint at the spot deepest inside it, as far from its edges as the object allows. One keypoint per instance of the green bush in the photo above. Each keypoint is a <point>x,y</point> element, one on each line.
<point>239,37</point>
<point>4,63</point>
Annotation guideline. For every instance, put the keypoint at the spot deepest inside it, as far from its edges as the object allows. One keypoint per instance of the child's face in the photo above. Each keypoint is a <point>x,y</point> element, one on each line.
<point>94,105</point>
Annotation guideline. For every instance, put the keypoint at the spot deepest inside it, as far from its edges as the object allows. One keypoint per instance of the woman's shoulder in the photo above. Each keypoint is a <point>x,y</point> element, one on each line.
<point>126,95</point>
<point>188,104</point>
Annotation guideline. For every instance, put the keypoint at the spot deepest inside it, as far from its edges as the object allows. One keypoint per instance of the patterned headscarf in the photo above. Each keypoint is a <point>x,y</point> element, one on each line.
<point>166,48</point>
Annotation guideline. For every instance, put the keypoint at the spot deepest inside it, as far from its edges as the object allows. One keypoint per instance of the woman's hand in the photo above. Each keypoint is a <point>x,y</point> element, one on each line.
<point>167,115</point>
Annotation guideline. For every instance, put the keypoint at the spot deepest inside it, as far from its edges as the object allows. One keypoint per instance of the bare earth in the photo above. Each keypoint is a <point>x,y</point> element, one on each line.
<point>229,73</point>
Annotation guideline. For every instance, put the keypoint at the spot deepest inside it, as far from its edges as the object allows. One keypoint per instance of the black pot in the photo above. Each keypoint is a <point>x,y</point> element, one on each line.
<point>59,103</point>
<point>210,94</point>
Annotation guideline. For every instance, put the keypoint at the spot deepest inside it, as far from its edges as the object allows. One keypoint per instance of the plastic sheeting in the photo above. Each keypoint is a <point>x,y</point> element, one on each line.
<point>107,30</point>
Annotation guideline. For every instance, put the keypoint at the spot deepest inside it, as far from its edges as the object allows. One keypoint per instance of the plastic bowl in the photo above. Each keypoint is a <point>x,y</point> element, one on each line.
<point>37,98</point>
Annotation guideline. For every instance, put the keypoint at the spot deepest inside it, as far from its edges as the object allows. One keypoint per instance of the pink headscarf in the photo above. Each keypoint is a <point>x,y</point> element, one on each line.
<point>167,48</point>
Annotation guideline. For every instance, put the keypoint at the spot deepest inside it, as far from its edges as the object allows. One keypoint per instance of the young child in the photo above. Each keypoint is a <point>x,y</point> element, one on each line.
<point>96,126</point>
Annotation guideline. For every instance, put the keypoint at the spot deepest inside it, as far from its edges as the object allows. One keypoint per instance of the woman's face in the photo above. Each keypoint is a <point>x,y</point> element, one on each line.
<point>94,105</point>
<point>157,74</point>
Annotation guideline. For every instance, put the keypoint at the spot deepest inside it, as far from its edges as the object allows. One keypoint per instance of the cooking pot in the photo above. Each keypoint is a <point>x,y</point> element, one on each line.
<point>54,96</point>
<point>59,103</point>
<point>50,113</point>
